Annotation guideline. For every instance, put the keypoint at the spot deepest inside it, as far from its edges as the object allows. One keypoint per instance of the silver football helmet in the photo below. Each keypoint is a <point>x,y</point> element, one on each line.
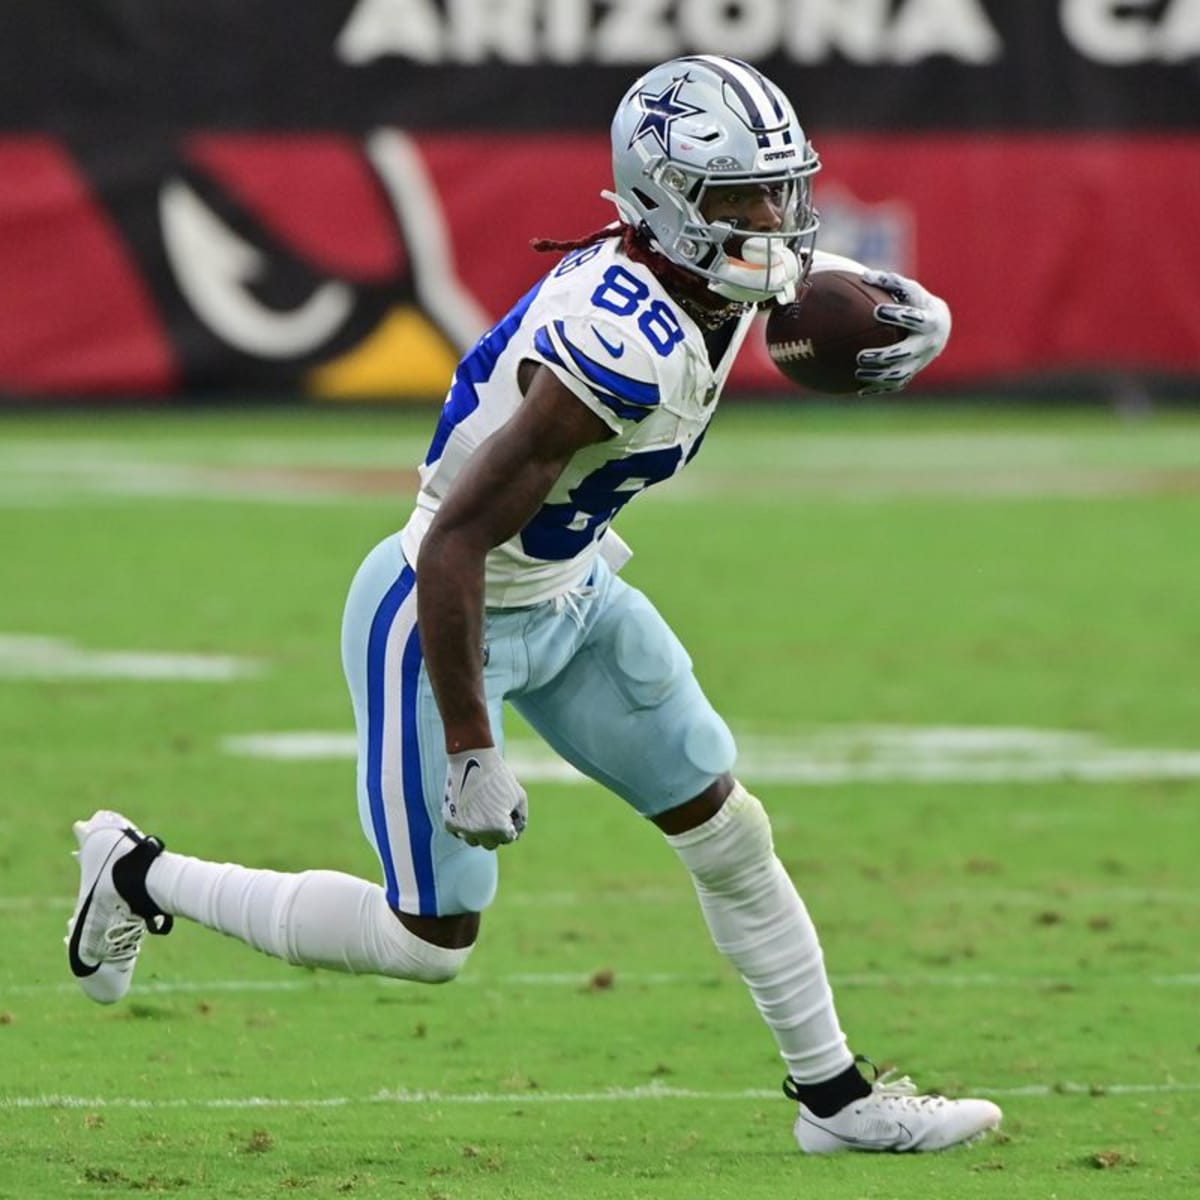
<point>701,122</point>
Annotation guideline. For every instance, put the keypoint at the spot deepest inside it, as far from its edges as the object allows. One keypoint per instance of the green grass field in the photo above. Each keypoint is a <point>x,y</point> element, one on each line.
<point>959,650</point>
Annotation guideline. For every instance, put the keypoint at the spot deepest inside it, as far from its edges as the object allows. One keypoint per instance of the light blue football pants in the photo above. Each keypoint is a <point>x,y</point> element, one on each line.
<point>599,674</point>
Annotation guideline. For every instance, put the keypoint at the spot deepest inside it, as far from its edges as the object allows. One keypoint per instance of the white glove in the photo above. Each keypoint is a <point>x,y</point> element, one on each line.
<point>484,804</point>
<point>924,315</point>
<point>767,269</point>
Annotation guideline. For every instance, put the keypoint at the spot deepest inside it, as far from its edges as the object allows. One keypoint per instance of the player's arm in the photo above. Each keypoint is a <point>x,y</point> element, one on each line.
<point>497,493</point>
<point>501,488</point>
<point>924,317</point>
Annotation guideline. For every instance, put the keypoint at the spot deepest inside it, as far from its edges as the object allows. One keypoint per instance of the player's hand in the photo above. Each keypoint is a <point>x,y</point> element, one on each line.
<point>765,269</point>
<point>926,318</point>
<point>483,804</point>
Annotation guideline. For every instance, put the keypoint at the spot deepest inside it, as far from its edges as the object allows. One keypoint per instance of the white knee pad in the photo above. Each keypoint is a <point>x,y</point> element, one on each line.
<point>334,920</point>
<point>414,958</point>
<point>732,847</point>
<point>390,948</point>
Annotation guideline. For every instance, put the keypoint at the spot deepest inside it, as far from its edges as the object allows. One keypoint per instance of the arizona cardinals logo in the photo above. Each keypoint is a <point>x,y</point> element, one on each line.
<point>276,293</point>
<point>216,271</point>
<point>214,260</point>
<point>660,112</point>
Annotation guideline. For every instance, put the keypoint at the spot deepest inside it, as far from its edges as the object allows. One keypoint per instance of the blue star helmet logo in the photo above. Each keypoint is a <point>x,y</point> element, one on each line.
<point>658,113</point>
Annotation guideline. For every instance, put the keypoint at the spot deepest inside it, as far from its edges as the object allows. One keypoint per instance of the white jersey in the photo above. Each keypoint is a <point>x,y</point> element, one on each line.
<point>612,334</point>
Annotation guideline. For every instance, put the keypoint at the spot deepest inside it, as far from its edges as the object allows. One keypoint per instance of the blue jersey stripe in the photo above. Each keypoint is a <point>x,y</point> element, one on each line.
<point>631,391</point>
<point>628,412</point>
<point>381,625</point>
<point>545,347</point>
<point>476,368</point>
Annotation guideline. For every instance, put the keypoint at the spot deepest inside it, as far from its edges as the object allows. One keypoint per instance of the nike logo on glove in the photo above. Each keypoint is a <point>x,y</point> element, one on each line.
<point>616,351</point>
<point>471,762</point>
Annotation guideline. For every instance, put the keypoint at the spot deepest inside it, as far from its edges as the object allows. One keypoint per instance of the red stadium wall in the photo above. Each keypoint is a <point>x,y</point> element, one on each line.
<point>206,211</point>
<point>1038,270</point>
<point>75,315</point>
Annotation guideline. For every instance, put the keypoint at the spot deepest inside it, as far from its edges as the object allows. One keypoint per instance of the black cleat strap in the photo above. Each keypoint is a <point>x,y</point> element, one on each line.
<point>832,1095</point>
<point>129,877</point>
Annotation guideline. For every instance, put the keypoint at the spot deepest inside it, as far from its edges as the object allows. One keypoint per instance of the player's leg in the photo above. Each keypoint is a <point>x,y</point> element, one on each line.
<point>435,882</point>
<point>420,925</point>
<point>759,922</point>
<point>129,884</point>
<point>627,710</point>
<point>761,925</point>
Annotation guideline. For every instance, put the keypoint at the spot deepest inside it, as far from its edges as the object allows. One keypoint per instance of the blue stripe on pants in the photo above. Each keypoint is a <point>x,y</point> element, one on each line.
<point>419,833</point>
<point>420,830</point>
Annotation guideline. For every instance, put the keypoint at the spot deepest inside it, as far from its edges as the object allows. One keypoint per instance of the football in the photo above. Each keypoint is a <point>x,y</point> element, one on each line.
<point>815,340</point>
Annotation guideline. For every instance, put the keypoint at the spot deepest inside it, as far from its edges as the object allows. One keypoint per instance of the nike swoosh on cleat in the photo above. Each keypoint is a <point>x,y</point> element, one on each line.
<point>866,1143</point>
<point>616,351</point>
<point>78,967</point>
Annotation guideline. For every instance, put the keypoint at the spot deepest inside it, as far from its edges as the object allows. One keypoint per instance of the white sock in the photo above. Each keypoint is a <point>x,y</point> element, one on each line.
<point>761,925</point>
<point>316,918</point>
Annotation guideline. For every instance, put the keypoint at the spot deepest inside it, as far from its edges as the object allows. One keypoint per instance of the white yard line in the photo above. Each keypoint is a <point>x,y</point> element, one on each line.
<point>1079,980</point>
<point>652,1091</point>
<point>824,755</point>
<point>683,895</point>
<point>30,656</point>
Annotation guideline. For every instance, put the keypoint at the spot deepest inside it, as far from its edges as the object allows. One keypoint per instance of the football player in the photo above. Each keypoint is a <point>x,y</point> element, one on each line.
<point>503,586</point>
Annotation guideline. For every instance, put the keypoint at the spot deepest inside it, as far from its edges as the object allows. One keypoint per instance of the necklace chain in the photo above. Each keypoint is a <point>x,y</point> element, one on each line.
<point>712,318</point>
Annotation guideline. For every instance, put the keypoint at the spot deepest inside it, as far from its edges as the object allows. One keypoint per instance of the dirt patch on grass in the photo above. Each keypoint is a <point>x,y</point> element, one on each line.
<point>316,481</point>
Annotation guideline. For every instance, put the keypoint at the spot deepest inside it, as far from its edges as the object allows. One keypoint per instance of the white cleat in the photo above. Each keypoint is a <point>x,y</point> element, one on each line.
<point>894,1117</point>
<point>114,910</point>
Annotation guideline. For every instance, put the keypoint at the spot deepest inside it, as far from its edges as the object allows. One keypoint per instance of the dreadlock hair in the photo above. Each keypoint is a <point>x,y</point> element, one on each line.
<point>615,229</point>
<point>636,244</point>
